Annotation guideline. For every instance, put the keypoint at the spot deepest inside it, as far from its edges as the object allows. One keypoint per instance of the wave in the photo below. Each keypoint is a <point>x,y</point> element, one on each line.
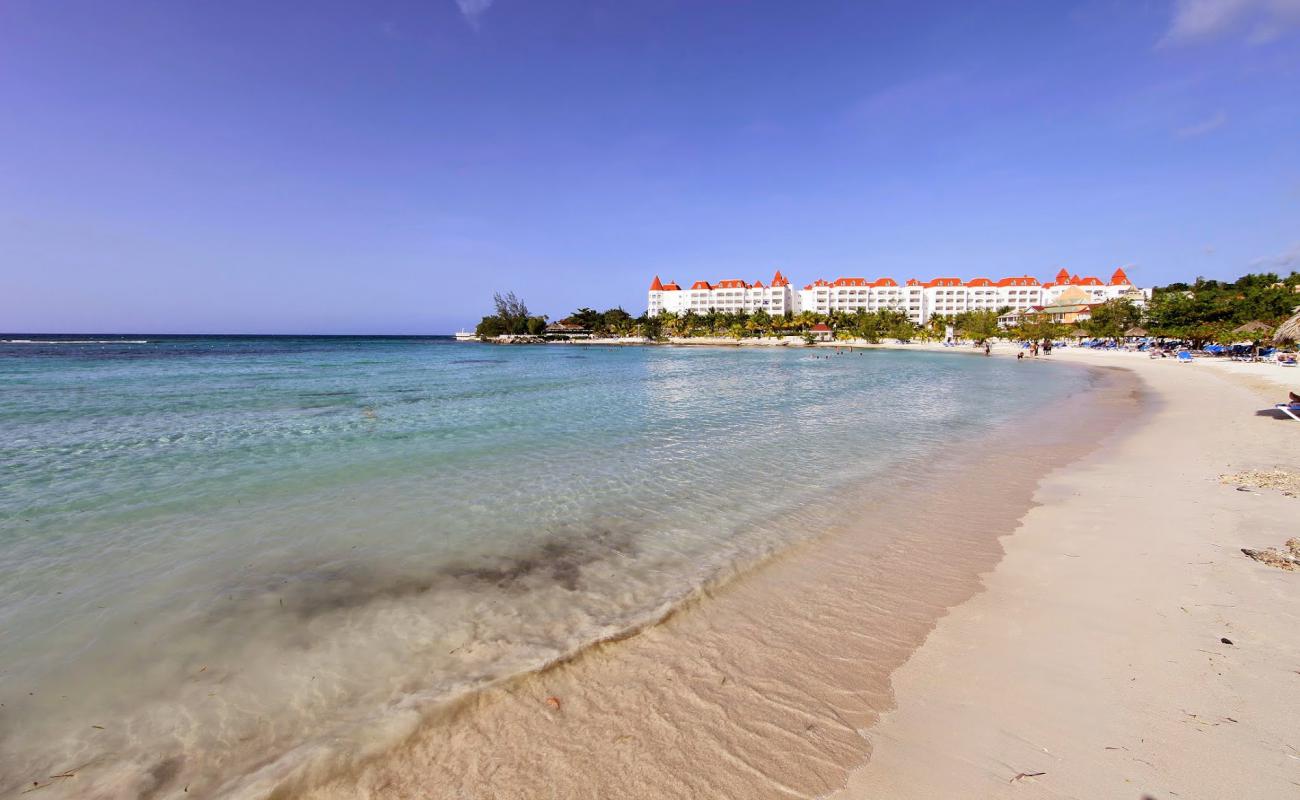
<point>74,341</point>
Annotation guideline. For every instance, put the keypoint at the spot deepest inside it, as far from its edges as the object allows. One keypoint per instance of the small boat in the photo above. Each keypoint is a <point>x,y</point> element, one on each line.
<point>466,336</point>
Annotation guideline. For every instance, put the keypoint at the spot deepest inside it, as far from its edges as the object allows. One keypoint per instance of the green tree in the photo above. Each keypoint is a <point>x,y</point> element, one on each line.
<point>978,325</point>
<point>688,323</point>
<point>1201,310</point>
<point>805,320</point>
<point>589,318</point>
<point>652,327</point>
<point>867,325</point>
<point>512,312</point>
<point>1110,319</point>
<point>1039,328</point>
<point>490,327</point>
<point>617,321</point>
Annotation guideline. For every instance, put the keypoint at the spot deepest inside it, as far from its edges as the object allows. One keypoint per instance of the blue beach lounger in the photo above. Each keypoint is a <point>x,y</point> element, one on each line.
<point>1292,410</point>
<point>1184,355</point>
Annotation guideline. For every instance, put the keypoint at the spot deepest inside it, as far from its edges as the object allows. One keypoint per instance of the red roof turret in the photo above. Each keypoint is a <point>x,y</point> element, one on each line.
<point>655,285</point>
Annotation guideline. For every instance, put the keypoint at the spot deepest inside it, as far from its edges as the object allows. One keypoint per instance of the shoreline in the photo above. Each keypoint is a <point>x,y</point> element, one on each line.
<point>760,687</point>
<point>1269,373</point>
<point>1093,661</point>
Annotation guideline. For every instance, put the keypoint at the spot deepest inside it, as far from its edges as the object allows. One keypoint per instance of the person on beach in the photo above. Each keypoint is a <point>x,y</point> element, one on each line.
<point>988,349</point>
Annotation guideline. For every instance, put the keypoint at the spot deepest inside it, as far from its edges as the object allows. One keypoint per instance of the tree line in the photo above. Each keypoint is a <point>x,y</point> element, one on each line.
<point>512,319</point>
<point>1200,312</point>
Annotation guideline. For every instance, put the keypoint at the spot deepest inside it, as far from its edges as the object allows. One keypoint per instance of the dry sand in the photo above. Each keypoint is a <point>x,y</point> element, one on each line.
<point>1095,653</point>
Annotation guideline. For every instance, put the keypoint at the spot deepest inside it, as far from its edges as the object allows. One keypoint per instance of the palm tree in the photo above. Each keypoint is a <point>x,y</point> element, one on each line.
<point>806,319</point>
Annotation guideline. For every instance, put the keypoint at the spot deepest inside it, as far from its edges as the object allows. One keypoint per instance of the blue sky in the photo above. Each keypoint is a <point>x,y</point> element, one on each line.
<point>336,166</point>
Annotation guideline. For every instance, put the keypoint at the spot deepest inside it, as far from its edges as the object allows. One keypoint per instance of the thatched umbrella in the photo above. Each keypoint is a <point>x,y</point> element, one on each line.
<point>1253,327</point>
<point>1288,331</point>
<point>1255,330</point>
<point>1079,333</point>
<point>1136,332</point>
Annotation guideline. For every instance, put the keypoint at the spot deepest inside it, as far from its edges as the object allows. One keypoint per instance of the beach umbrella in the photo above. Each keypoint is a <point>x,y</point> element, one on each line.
<point>1288,331</point>
<point>1253,327</point>
<point>1079,333</point>
<point>1136,332</point>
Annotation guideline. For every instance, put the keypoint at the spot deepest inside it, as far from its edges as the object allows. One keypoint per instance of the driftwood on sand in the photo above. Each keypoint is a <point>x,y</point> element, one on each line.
<point>1288,559</point>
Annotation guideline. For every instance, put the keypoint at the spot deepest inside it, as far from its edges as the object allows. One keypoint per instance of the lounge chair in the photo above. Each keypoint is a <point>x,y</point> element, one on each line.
<point>1185,355</point>
<point>1292,410</point>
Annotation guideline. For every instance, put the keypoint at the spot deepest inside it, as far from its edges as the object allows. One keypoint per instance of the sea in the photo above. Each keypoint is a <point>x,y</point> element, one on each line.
<point>222,556</point>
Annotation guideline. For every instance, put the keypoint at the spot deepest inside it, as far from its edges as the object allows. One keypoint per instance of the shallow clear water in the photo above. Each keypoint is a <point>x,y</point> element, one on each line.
<point>221,554</point>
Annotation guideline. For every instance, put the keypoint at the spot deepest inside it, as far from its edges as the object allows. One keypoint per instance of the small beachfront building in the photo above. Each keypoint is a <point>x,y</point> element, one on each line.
<point>567,328</point>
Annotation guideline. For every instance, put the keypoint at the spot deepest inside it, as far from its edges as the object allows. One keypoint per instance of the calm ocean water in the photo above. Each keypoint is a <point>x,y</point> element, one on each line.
<point>220,555</point>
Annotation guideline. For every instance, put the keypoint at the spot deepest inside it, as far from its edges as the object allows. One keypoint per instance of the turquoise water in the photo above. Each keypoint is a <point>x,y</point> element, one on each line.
<point>230,554</point>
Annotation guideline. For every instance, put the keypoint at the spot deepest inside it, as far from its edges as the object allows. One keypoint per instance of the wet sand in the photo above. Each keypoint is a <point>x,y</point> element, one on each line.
<point>770,685</point>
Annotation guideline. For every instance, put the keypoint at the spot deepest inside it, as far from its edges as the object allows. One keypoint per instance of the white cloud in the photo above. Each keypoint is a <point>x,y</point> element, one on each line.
<point>1286,260</point>
<point>1204,126</point>
<point>471,10</point>
<point>1260,20</point>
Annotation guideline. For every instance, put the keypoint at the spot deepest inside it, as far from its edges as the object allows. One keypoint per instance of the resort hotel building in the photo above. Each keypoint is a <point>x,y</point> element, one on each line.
<point>920,300</point>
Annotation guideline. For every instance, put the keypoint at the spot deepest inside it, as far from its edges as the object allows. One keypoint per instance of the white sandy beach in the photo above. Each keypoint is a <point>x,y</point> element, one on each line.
<point>1094,656</point>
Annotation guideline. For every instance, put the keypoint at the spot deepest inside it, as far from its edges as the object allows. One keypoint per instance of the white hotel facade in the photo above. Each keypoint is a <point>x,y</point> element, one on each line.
<point>920,300</point>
